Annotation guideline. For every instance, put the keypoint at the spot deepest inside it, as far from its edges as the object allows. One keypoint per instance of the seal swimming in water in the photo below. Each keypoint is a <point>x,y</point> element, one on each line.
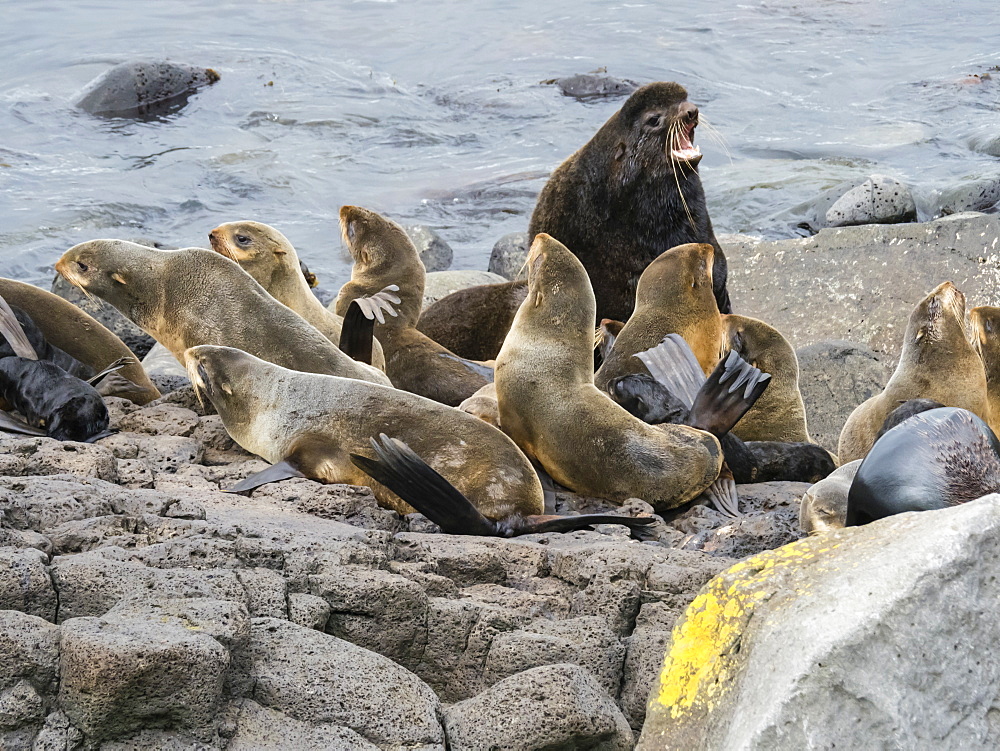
<point>939,458</point>
<point>143,89</point>
<point>630,193</point>
<point>193,296</point>
<point>937,362</point>
<point>268,256</point>
<point>384,254</point>
<point>469,478</point>
<point>549,405</point>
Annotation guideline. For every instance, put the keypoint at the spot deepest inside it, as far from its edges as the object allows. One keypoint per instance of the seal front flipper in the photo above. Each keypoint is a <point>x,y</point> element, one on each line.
<point>673,364</point>
<point>114,367</point>
<point>399,468</point>
<point>11,424</point>
<point>283,470</point>
<point>12,331</point>
<point>728,394</point>
<point>359,322</point>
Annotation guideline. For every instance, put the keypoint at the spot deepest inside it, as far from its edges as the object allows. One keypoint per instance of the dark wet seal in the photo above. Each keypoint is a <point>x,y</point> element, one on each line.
<point>592,86</point>
<point>144,89</point>
<point>933,460</point>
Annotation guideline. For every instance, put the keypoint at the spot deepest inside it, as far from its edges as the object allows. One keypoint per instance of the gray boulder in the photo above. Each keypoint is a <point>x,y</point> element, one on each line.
<point>872,623</point>
<point>122,676</point>
<point>981,194</point>
<point>861,283</point>
<point>834,378</point>
<point>29,651</point>
<point>317,678</point>
<point>143,88</point>
<point>30,456</point>
<point>160,362</point>
<point>878,200</point>
<point>435,253</point>
<point>25,583</point>
<point>441,283</point>
<point>508,256</point>
<point>551,707</point>
<point>593,85</point>
<point>262,729</point>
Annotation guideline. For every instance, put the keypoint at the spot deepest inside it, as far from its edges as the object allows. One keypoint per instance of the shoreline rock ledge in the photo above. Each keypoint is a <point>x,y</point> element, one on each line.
<point>882,635</point>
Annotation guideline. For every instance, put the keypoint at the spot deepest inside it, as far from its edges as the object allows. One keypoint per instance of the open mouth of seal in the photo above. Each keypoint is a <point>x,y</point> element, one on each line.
<point>681,143</point>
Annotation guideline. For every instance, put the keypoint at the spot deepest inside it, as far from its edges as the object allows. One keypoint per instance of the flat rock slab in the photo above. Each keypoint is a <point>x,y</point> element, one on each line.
<point>879,636</point>
<point>861,283</point>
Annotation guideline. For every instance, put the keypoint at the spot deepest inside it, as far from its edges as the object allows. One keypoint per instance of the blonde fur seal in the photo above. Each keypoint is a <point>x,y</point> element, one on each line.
<point>985,322</point>
<point>674,296</point>
<point>549,405</point>
<point>268,256</point>
<point>937,362</point>
<point>193,296</point>
<point>384,255</point>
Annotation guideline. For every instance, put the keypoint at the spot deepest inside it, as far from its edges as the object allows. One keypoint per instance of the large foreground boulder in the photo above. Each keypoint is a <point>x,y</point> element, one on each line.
<point>868,637</point>
<point>861,283</point>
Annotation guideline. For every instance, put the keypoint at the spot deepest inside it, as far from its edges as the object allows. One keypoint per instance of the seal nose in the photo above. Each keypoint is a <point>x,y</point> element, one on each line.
<point>212,237</point>
<point>689,112</point>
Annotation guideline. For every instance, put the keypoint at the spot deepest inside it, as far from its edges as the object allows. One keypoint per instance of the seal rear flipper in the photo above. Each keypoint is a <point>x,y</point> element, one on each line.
<point>114,367</point>
<point>399,468</point>
<point>538,524</point>
<point>728,394</point>
<point>11,424</point>
<point>722,494</point>
<point>673,364</point>
<point>359,323</point>
<point>12,331</point>
<point>283,470</point>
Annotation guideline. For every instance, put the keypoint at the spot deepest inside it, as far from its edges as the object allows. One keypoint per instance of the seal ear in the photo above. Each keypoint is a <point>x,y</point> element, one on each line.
<point>619,152</point>
<point>118,278</point>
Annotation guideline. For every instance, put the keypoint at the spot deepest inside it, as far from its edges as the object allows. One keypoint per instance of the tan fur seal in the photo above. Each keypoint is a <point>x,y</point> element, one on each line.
<point>985,322</point>
<point>268,256</point>
<point>824,505</point>
<point>193,296</point>
<point>630,193</point>
<point>549,405</point>
<point>937,362</point>
<point>384,255</point>
<point>780,414</point>
<point>82,337</point>
<point>461,473</point>
<point>473,322</point>
<point>674,296</point>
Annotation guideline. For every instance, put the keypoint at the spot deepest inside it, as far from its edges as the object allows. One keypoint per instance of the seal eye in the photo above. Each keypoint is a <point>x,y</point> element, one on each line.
<point>83,267</point>
<point>242,240</point>
<point>653,121</point>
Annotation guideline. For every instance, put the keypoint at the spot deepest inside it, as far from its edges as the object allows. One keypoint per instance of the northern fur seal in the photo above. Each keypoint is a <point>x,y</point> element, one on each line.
<point>549,405</point>
<point>82,337</point>
<point>268,256</point>
<point>937,362</point>
<point>384,255</point>
<point>674,296</point>
<point>985,322</point>
<point>193,296</point>
<point>629,194</point>
<point>473,322</point>
<point>939,458</point>
<point>824,505</point>
<point>469,477</point>
<point>780,414</point>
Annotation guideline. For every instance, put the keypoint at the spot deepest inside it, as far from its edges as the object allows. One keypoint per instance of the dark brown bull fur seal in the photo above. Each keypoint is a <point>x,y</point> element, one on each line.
<point>473,322</point>
<point>629,194</point>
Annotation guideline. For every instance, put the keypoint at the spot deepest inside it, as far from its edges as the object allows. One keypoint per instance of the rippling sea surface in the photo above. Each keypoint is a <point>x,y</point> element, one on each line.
<point>433,112</point>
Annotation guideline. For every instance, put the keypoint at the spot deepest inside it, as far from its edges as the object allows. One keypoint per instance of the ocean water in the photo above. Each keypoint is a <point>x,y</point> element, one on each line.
<point>433,112</point>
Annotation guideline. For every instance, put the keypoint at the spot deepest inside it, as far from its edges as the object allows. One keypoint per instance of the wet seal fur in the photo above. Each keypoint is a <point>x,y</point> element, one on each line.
<point>461,473</point>
<point>193,296</point>
<point>939,458</point>
<point>630,193</point>
<point>937,362</point>
<point>79,335</point>
<point>549,405</point>
<point>267,255</point>
<point>384,255</point>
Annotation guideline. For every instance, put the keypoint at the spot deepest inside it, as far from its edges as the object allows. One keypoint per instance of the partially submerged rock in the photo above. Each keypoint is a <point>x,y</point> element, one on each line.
<point>878,200</point>
<point>509,254</point>
<point>870,623</point>
<point>143,88</point>
<point>435,253</point>
<point>593,85</point>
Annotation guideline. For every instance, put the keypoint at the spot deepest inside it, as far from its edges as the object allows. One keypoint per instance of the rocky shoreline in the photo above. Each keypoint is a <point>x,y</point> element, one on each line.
<point>142,607</point>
